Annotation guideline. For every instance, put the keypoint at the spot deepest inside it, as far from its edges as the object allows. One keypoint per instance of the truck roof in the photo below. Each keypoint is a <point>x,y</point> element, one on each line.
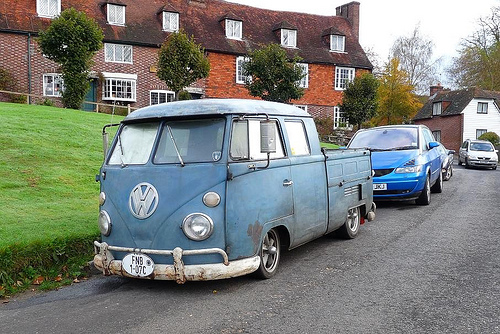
<point>215,107</point>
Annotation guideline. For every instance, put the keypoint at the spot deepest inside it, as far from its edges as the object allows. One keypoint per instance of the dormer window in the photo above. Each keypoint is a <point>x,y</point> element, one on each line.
<point>337,43</point>
<point>170,21</point>
<point>289,38</point>
<point>437,108</point>
<point>116,14</point>
<point>48,8</point>
<point>234,29</point>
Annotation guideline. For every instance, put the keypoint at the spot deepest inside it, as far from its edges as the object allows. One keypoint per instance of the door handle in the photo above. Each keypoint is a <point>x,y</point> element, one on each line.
<point>287,183</point>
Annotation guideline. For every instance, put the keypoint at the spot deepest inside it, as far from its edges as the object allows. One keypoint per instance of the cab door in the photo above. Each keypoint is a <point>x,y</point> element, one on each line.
<point>259,192</point>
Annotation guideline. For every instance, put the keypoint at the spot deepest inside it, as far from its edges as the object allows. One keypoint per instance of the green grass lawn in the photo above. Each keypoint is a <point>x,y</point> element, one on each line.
<point>48,195</point>
<point>48,162</point>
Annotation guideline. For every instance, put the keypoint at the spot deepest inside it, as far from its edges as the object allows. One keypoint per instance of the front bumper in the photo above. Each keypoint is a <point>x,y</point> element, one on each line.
<point>482,163</point>
<point>105,262</point>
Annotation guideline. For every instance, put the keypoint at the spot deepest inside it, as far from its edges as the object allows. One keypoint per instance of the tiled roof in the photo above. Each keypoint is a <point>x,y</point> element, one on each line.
<point>456,101</point>
<point>201,19</point>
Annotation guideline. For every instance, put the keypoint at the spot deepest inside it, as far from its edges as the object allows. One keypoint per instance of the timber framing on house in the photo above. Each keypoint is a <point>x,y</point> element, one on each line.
<point>124,69</point>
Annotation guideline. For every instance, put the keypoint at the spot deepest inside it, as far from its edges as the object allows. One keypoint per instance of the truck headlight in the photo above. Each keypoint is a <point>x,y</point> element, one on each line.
<point>197,226</point>
<point>104,223</point>
<point>409,169</point>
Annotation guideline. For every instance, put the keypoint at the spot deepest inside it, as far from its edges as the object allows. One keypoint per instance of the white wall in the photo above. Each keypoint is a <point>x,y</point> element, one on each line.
<point>474,121</point>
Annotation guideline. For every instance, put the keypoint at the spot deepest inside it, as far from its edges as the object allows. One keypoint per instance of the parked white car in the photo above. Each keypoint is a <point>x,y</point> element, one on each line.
<point>478,153</point>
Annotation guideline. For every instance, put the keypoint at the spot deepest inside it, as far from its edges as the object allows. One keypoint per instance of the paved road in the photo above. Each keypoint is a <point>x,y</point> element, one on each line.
<point>433,269</point>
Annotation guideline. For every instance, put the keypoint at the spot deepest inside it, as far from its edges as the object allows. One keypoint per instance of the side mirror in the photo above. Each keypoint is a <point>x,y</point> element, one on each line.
<point>433,144</point>
<point>268,136</point>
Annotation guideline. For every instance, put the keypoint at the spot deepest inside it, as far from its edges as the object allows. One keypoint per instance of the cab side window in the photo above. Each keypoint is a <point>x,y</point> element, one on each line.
<point>245,141</point>
<point>297,137</point>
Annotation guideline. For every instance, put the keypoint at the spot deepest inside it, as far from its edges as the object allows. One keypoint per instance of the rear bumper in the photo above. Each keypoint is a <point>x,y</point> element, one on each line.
<point>105,262</point>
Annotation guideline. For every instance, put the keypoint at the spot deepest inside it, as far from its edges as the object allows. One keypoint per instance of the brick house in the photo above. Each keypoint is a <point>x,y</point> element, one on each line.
<point>124,69</point>
<point>454,116</point>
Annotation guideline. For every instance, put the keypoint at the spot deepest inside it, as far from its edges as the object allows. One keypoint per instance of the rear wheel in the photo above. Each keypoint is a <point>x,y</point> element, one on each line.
<point>269,254</point>
<point>425,197</point>
<point>350,229</point>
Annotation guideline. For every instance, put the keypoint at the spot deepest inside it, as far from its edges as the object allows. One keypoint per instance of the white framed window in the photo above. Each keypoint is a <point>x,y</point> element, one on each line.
<point>304,82</point>
<point>53,84</point>
<point>240,78</point>
<point>437,135</point>
<point>118,53</point>
<point>234,29</point>
<point>342,76</point>
<point>337,43</point>
<point>119,87</point>
<point>48,8</point>
<point>339,120</point>
<point>437,108</point>
<point>170,21</point>
<point>116,14</point>
<point>289,38</point>
<point>482,107</point>
<point>160,96</point>
<point>480,132</point>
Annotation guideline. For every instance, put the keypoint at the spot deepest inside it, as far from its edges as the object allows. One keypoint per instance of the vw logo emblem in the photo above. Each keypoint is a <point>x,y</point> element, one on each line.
<point>143,200</point>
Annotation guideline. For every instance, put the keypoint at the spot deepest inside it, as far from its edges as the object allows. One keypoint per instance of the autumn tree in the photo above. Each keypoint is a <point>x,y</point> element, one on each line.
<point>359,102</point>
<point>415,56</point>
<point>478,62</point>
<point>272,76</point>
<point>397,102</point>
<point>72,40</point>
<point>181,62</point>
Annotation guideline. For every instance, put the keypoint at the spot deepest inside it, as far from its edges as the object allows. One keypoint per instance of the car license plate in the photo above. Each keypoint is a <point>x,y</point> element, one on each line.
<point>380,186</point>
<point>138,265</point>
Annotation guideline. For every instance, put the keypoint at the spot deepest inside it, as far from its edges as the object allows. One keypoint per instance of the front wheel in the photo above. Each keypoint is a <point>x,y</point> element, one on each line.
<point>425,197</point>
<point>270,251</point>
<point>449,172</point>
<point>350,229</point>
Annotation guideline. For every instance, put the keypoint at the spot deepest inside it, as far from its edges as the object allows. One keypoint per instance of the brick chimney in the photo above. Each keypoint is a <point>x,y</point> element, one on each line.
<point>435,89</point>
<point>351,12</point>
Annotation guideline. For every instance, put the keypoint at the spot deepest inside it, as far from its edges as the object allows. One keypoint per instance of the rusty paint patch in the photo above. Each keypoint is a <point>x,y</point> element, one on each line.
<point>255,231</point>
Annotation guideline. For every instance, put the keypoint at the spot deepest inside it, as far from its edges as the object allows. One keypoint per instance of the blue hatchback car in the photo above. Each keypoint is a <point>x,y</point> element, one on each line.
<point>405,160</point>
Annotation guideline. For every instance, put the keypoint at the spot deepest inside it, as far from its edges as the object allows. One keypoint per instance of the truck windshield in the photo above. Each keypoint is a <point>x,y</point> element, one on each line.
<point>386,139</point>
<point>134,144</point>
<point>190,141</point>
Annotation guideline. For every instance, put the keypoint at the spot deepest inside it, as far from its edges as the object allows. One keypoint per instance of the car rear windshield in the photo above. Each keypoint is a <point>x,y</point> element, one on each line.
<point>485,147</point>
<point>386,139</point>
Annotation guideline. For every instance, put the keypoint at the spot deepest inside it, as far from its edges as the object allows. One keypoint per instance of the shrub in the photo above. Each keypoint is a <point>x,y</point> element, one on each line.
<point>491,137</point>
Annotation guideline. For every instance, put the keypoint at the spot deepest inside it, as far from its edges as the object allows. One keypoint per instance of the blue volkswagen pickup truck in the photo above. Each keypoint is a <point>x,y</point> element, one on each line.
<point>211,189</point>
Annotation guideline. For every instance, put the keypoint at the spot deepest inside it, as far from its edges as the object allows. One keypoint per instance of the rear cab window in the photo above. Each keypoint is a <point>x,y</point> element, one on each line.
<point>245,141</point>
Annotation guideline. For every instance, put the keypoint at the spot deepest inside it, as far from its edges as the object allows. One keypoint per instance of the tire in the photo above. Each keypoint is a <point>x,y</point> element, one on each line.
<point>438,186</point>
<point>269,253</point>
<point>350,229</point>
<point>449,173</point>
<point>425,197</point>
<point>494,167</point>
<point>466,163</point>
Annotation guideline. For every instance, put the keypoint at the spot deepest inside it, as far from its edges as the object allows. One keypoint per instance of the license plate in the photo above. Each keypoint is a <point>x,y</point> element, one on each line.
<point>380,186</point>
<point>139,265</point>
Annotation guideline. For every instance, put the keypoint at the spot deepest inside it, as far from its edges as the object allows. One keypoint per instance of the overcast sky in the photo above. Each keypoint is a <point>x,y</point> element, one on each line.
<point>445,22</point>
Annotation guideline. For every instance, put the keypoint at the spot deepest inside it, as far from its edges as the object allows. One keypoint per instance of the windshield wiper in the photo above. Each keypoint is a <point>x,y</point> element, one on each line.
<point>175,146</point>
<point>401,148</point>
<point>121,151</point>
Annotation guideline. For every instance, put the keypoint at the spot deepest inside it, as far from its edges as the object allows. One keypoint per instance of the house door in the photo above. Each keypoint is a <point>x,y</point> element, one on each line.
<point>91,96</point>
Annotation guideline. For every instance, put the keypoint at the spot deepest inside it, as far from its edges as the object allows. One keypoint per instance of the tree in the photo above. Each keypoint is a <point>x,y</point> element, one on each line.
<point>181,62</point>
<point>359,103</point>
<point>492,137</point>
<point>397,103</point>
<point>72,40</point>
<point>478,63</point>
<point>415,56</point>
<point>274,77</point>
